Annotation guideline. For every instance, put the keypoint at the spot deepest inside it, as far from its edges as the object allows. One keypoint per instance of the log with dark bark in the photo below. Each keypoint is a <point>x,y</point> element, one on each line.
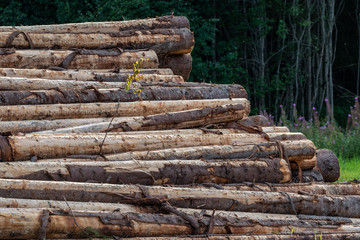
<point>18,148</point>
<point>104,27</point>
<point>162,41</point>
<point>120,109</point>
<point>43,223</point>
<point>153,172</point>
<point>115,75</point>
<point>328,165</point>
<point>65,91</point>
<point>201,198</point>
<point>174,120</point>
<point>79,59</point>
<point>181,64</point>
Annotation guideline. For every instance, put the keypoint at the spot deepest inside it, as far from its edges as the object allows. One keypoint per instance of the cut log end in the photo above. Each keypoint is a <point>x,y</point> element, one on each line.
<point>328,165</point>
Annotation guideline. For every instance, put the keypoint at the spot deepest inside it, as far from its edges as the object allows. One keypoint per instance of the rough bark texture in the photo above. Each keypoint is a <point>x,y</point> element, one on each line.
<point>17,148</point>
<point>257,120</point>
<point>118,75</point>
<point>65,91</point>
<point>312,188</point>
<point>162,41</point>
<point>40,223</point>
<point>182,119</point>
<point>80,59</point>
<point>274,236</point>
<point>64,206</point>
<point>104,27</point>
<point>26,84</point>
<point>328,165</point>
<point>181,64</point>
<point>176,120</point>
<point>295,150</point>
<point>176,172</point>
<point>201,198</point>
<point>122,109</point>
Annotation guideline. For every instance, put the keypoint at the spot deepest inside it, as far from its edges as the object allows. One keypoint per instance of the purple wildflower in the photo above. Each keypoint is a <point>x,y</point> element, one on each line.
<point>281,106</point>
<point>314,108</point>
<point>326,100</point>
<point>349,115</point>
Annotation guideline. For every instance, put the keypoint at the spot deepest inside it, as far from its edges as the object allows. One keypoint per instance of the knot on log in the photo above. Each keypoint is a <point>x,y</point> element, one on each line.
<point>14,35</point>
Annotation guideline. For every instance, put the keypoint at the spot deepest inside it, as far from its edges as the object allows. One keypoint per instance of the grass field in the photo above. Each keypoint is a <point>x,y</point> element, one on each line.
<point>349,169</point>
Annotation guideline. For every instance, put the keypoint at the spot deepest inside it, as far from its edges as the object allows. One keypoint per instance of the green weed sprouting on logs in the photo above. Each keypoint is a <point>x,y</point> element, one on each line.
<point>135,76</point>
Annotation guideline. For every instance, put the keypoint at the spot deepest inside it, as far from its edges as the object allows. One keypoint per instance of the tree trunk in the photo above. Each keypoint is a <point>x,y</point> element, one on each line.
<point>18,84</point>
<point>17,148</point>
<point>120,109</point>
<point>274,236</point>
<point>212,199</point>
<point>65,91</point>
<point>104,27</point>
<point>328,165</point>
<point>64,206</point>
<point>328,189</point>
<point>295,150</point>
<point>175,120</point>
<point>181,64</point>
<point>40,223</point>
<point>82,59</point>
<point>178,172</point>
<point>121,75</point>
<point>162,41</point>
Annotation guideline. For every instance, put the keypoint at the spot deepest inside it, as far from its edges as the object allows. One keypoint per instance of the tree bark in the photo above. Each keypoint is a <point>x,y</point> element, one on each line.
<point>120,75</point>
<point>201,198</point>
<point>64,206</point>
<point>162,41</point>
<point>17,148</point>
<point>174,120</point>
<point>120,109</point>
<point>65,91</point>
<point>257,120</point>
<point>81,59</point>
<point>18,84</point>
<point>328,189</point>
<point>181,64</point>
<point>177,172</point>
<point>295,151</point>
<point>40,223</point>
<point>104,27</point>
<point>275,236</point>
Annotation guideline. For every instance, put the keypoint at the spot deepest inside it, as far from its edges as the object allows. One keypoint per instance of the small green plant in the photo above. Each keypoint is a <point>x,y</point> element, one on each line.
<point>135,76</point>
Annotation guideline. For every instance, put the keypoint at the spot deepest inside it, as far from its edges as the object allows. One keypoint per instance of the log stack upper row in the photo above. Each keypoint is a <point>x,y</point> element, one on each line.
<point>82,157</point>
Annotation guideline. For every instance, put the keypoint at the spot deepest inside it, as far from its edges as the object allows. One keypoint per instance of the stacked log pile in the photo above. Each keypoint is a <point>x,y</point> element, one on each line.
<point>83,158</point>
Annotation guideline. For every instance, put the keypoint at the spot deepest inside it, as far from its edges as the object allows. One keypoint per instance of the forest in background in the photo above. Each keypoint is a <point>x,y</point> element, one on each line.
<point>294,53</point>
